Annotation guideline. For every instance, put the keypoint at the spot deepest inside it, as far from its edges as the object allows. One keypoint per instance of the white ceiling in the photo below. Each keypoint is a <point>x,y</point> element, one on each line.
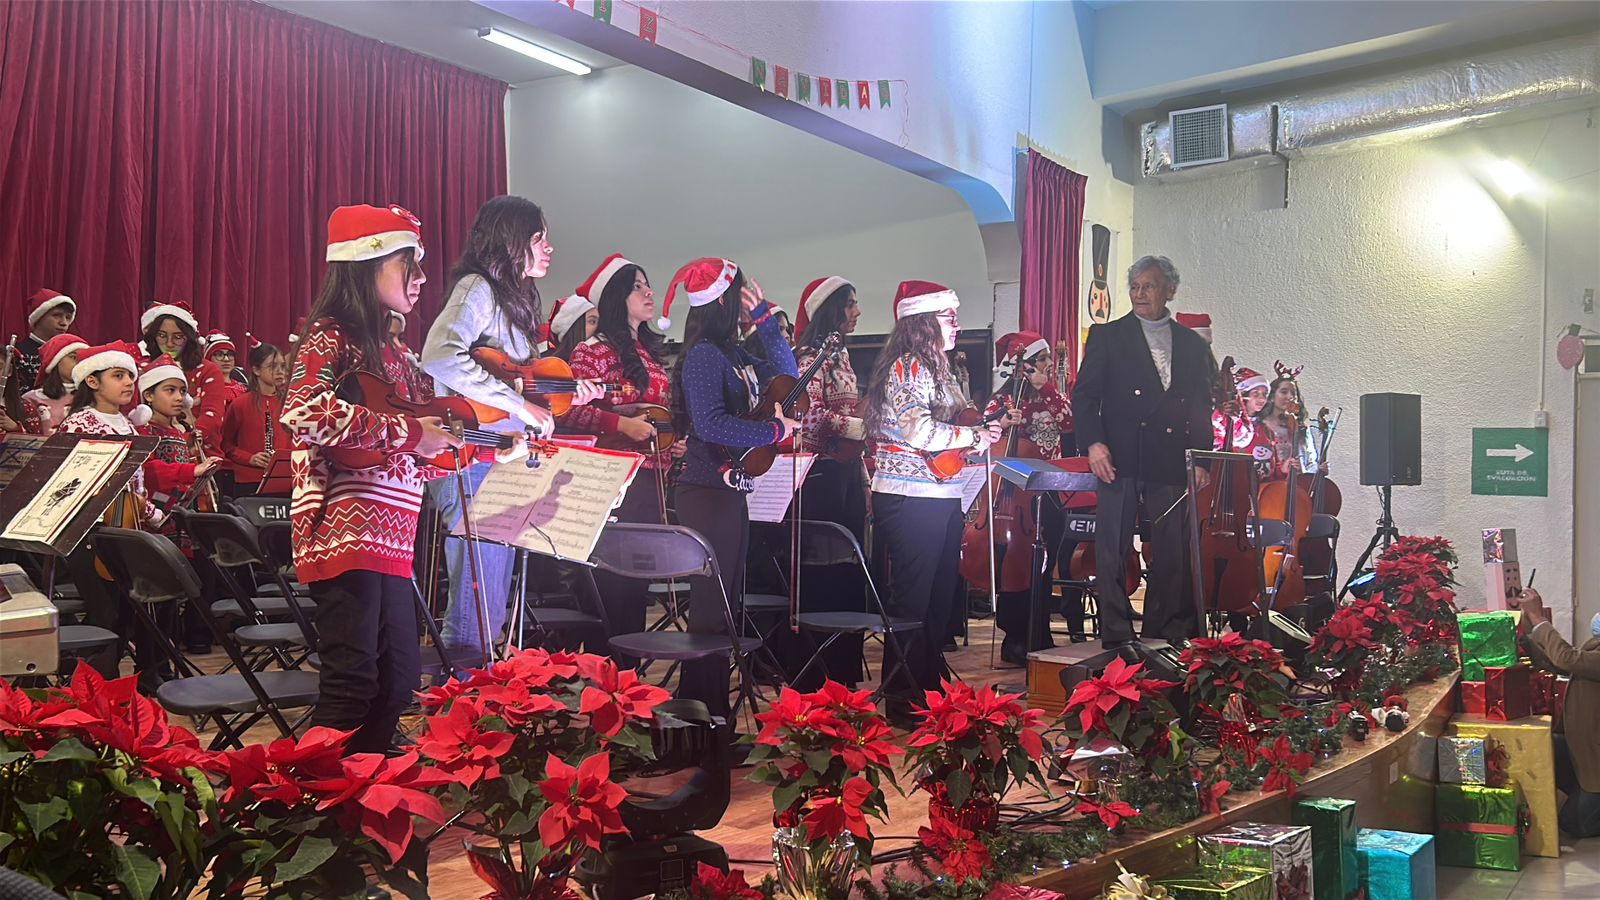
<point>446,30</point>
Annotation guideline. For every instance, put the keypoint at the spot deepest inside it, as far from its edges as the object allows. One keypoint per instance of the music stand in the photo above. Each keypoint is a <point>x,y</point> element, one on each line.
<point>37,472</point>
<point>279,480</point>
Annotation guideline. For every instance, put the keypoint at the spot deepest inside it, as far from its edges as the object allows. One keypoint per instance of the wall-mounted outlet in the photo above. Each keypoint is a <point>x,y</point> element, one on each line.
<point>1588,300</point>
<point>1541,418</point>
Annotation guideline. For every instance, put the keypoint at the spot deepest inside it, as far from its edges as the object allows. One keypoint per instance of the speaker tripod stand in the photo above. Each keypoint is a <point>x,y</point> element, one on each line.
<point>1381,539</point>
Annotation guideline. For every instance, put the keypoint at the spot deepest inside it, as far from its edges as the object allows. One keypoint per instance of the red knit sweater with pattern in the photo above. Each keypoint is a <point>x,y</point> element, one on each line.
<point>348,520</point>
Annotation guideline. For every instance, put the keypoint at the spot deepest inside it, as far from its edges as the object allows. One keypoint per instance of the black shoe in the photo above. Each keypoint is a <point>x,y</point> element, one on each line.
<point>1013,654</point>
<point>898,712</point>
<point>197,648</point>
<point>1078,637</point>
<point>949,647</point>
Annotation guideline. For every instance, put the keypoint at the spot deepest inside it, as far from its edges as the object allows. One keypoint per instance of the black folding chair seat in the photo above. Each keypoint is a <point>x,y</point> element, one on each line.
<point>272,606</point>
<point>561,617</point>
<point>766,604</point>
<point>80,640</point>
<point>855,623</point>
<point>230,694</point>
<point>677,645</point>
<point>272,634</point>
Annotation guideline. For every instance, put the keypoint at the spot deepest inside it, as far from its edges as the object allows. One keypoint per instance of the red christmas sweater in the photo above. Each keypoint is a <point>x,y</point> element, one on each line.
<point>1045,415</point>
<point>92,421</point>
<point>168,476</point>
<point>244,434</point>
<point>209,388</point>
<point>351,520</point>
<point>596,359</point>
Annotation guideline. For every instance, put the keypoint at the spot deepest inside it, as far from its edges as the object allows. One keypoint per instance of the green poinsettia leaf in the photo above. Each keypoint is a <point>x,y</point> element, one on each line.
<point>43,816</point>
<point>135,872</point>
<point>784,796</point>
<point>518,825</point>
<point>69,749</point>
<point>959,786</point>
<point>309,856</point>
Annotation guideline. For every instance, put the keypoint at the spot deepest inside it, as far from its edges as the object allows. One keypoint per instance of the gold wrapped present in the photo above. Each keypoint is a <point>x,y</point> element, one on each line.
<point>1530,761</point>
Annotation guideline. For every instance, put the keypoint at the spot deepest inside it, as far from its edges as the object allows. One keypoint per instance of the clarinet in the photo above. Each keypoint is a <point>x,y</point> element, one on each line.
<point>266,419</point>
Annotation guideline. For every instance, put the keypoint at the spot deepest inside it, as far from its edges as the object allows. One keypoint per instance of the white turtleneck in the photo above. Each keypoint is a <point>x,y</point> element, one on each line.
<point>1158,335</point>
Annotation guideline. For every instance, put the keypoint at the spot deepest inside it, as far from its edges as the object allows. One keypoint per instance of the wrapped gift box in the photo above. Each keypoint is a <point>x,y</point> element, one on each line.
<point>1530,762</point>
<point>1544,693</point>
<point>1507,692</point>
<point>1283,851</point>
<point>1478,826</point>
<point>1333,845</point>
<point>1472,698</point>
<point>1487,639</point>
<point>1471,760</point>
<point>1215,885</point>
<point>1396,865</point>
<point>1502,573</point>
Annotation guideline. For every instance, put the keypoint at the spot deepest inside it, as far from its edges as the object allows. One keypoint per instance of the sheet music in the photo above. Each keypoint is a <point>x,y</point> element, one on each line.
<point>971,479</point>
<point>81,475</point>
<point>557,509</point>
<point>15,451</point>
<point>775,489</point>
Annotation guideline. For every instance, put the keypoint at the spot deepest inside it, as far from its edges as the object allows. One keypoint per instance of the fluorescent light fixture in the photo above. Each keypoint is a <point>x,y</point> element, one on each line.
<point>1510,177</point>
<point>533,51</point>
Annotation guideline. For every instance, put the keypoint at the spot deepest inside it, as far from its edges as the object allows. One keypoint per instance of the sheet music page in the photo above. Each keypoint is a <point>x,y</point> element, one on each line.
<point>557,509</point>
<point>971,479</point>
<point>81,475</point>
<point>15,451</point>
<point>775,489</point>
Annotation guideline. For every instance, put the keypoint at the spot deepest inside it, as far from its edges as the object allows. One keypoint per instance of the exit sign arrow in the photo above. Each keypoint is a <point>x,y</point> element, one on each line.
<point>1518,454</point>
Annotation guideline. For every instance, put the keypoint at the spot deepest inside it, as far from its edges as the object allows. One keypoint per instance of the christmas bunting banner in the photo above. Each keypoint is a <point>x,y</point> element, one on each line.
<point>780,81</point>
<point>758,73</point>
<point>602,10</point>
<point>825,91</point>
<point>841,89</point>
<point>802,87</point>
<point>863,96</point>
<point>883,92</point>
<point>647,25</point>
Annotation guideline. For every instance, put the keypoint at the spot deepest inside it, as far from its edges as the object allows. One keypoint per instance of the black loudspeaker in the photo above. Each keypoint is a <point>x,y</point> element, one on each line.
<point>1391,439</point>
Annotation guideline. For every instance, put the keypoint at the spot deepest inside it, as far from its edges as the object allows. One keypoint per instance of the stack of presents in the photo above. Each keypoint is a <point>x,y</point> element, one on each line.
<point>1495,800</point>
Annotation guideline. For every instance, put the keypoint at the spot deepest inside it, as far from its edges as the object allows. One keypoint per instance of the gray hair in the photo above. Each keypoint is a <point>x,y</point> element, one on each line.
<point>1168,270</point>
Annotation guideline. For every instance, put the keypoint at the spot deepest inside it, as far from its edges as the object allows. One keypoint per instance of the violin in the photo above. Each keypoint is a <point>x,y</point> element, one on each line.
<point>947,464</point>
<point>204,492</point>
<point>784,395</point>
<point>459,415</point>
<point>661,417</point>
<point>548,381</point>
<point>1007,525</point>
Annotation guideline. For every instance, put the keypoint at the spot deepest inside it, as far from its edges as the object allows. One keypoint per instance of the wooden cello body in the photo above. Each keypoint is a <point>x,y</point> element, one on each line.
<point>1008,525</point>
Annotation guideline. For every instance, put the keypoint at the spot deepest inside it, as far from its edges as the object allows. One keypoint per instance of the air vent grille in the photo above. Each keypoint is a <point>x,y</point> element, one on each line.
<point>1199,135</point>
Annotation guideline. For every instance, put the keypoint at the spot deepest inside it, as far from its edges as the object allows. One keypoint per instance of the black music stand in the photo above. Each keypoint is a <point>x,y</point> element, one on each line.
<point>27,483</point>
<point>1038,477</point>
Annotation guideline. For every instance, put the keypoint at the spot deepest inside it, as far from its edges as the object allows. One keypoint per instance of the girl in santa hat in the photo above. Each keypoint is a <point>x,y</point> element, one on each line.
<point>44,407</point>
<point>717,384</point>
<point>220,349</point>
<point>1043,419</point>
<point>1251,390</point>
<point>252,432</point>
<point>625,351</point>
<point>573,321</point>
<point>355,529</point>
<point>909,409</point>
<point>171,329</point>
<point>835,488</point>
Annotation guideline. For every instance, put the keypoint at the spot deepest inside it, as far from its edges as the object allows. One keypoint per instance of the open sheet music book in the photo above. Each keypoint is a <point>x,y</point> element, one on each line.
<point>81,475</point>
<point>775,489</point>
<point>971,478</point>
<point>557,509</point>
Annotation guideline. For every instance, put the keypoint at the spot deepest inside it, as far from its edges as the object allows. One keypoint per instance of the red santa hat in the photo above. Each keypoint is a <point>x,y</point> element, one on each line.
<point>216,340</point>
<point>1199,323</point>
<point>544,344</point>
<point>52,352</point>
<point>1021,345</point>
<point>250,341</point>
<point>362,232</point>
<point>153,372</point>
<point>568,312</point>
<point>592,288</point>
<point>299,329</point>
<point>115,355</point>
<point>44,300</point>
<point>913,298</point>
<point>812,298</point>
<point>703,280</point>
<point>1249,379</point>
<point>178,309</point>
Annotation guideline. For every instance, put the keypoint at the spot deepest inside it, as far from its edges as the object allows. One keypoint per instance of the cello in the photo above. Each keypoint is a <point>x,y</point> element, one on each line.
<point>1223,509</point>
<point>1011,516</point>
<point>1316,553</point>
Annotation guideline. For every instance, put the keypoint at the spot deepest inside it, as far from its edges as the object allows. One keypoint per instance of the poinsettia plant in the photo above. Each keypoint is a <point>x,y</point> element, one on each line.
<point>1437,547</point>
<point>1231,666</point>
<point>1128,708</point>
<point>972,746</point>
<point>530,744</point>
<point>826,755</point>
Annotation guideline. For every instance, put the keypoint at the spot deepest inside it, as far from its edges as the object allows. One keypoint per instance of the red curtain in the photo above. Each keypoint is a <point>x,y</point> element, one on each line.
<point>192,149</point>
<point>1052,234</point>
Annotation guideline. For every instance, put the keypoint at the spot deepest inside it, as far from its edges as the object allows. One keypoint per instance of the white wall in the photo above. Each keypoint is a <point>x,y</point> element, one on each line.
<point>626,161</point>
<point>1397,269</point>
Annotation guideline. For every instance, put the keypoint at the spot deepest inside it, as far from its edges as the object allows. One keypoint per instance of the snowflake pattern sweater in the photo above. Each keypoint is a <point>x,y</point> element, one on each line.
<point>91,421</point>
<point>34,407</point>
<point>597,359</point>
<point>831,426</point>
<point>348,520</point>
<point>910,428</point>
<point>169,475</point>
<point>1046,413</point>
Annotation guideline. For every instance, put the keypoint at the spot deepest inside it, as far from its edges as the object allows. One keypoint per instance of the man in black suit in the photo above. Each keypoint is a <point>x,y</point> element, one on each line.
<point>1143,398</point>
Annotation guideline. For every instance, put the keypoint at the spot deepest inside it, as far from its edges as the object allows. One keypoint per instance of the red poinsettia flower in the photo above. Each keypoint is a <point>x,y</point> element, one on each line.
<point>958,849</point>
<point>872,744</point>
<point>517,702</point>
<point>1346,633</point>
<point>711,883</point>
<point>380,795</point>
<point>1210,796</point>
<point>617,697</point>
<point>1110,814</point>
<point>1094,698</point>
<point>832,816</point>
<point>115,714</point>
<point>795,711</point>
<point>583,803</point>
<point>842,700</point>
<point>21,714</point>
<point>277,772</point>
<point>1284,766</point>
<point>461,747</point>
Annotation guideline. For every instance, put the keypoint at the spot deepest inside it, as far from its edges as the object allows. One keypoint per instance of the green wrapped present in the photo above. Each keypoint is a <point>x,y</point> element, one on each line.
<point>1396,865</point>
<point>1284,851</point>
<point>1487,639</point>
<point>1479,826</point>
<point>1333,845</point>
<point>1213,885</point>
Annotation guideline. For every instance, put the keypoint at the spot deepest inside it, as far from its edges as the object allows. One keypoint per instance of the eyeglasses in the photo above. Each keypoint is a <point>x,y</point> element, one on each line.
<point>949,318</point>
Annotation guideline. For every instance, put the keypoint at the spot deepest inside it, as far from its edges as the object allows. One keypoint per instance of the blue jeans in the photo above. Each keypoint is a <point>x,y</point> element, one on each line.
<point>1580,815</point>
<point>495,564</point>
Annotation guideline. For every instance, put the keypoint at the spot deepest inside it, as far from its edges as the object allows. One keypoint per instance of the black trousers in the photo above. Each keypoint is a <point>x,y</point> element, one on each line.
<point>1169,609</point>
<point>625,599</point>
<point>1011,614</point>
<point>721,516</point>
<point>371,659</point>
<point>923,537</point>
<point>1580,813</point>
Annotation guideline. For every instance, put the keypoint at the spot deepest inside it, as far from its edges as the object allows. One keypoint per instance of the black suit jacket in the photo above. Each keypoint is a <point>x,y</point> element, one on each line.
<point>1118,400</point>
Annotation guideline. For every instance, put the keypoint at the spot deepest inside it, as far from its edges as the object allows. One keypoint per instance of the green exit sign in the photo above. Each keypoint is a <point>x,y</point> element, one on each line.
<point>1511,462</point>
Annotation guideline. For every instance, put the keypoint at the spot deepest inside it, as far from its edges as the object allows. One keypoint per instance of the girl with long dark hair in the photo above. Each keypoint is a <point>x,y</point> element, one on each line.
<point>717,384</point>
<point>909,407</point>
<point>44,407</point>
<point>493,302</point>
<point>355,529</point>
<point>1281,433</point>
<point>171,329</point>
<point>252,433</point>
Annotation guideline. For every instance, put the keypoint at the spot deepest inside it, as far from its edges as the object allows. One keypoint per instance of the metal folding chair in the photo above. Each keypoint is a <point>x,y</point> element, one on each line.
<point>233,546</point>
